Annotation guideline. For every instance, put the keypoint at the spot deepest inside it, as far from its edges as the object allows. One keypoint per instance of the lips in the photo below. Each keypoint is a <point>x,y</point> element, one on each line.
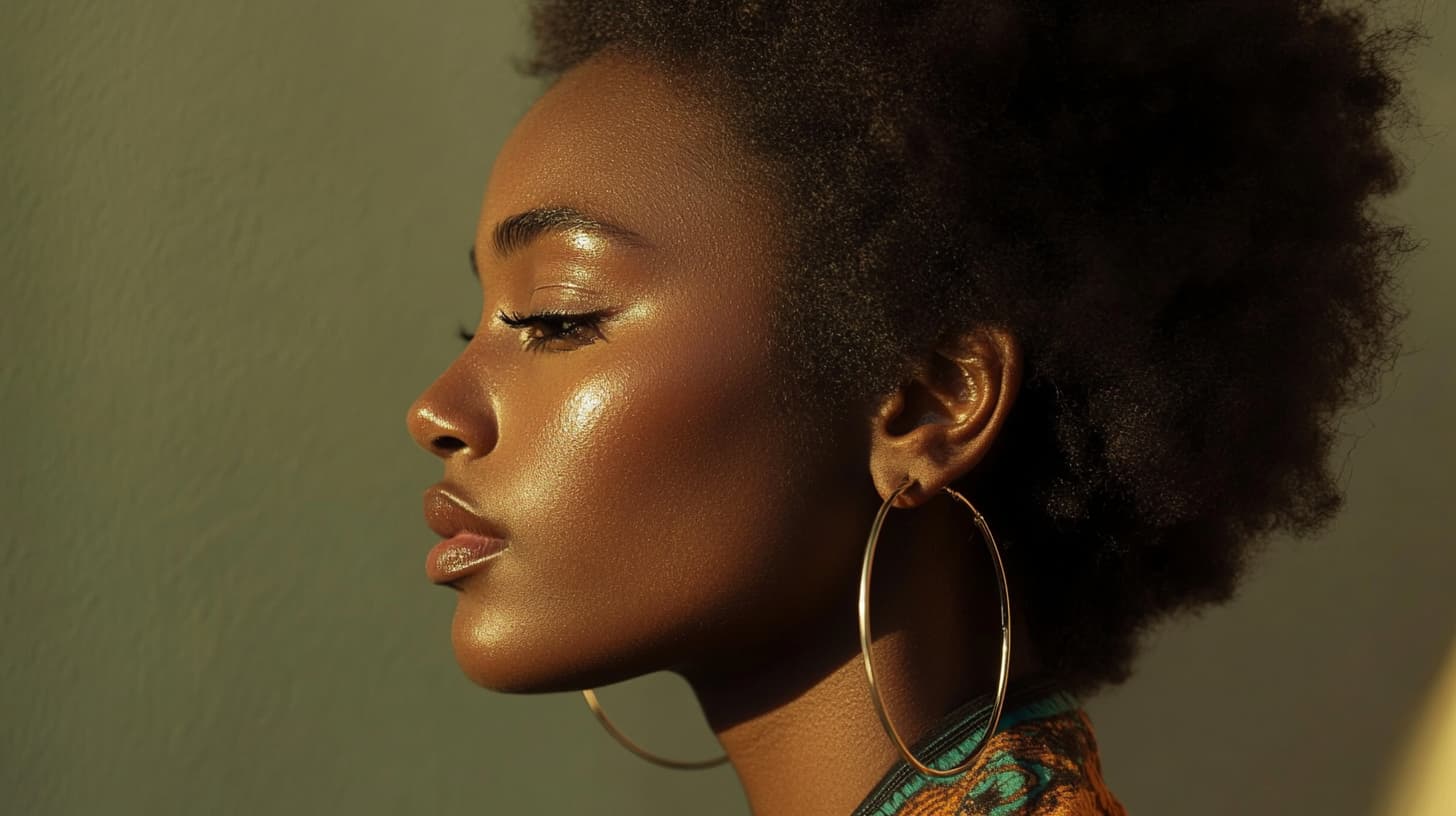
<point>448,514</point>
<point>462,555</point>
<point>469,540</point>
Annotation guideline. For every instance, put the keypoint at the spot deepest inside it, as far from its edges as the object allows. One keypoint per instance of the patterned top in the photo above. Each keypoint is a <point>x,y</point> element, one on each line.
<point>1042,761</point>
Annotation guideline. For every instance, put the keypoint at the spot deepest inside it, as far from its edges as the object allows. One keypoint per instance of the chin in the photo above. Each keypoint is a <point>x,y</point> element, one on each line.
<point>499,656</point>
<point>506,656</point>
<point>497,675</point>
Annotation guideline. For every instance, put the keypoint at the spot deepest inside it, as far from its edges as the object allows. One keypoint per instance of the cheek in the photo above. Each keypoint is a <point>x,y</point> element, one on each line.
<point>648,500</point>
<point>660,468</point>
<point>648,428</point>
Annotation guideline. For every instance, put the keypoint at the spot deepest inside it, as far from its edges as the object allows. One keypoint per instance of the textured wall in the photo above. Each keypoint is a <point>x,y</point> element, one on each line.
<point>215,220</point>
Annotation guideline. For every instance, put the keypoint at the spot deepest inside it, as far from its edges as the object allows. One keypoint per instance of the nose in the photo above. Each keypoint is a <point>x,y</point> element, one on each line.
<point>454,416</point>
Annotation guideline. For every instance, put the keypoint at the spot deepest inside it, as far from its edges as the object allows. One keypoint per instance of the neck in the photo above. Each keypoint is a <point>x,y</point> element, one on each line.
<point>798,722</point>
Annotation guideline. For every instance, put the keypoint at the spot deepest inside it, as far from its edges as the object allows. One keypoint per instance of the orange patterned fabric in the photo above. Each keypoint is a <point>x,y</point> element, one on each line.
<point>1042,761</point>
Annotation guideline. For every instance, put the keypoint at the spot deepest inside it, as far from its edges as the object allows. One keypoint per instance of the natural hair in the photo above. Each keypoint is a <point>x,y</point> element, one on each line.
<point>1169,204</point>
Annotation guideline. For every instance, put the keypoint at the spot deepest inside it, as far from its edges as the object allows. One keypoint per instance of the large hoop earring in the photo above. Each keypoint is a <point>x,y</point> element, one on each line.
<point>864,640</point>
<point>596,707</point>
<point>864,637</point>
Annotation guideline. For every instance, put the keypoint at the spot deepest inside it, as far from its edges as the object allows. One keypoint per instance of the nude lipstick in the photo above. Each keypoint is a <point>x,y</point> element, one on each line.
<point>463,554</point>
<point>468,541</point>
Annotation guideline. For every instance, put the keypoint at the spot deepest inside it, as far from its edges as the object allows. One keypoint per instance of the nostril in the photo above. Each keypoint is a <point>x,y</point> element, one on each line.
<point>447,444</point>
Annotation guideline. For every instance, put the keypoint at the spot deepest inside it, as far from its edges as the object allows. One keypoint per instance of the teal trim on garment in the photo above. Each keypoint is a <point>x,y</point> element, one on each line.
<point>1009,774</point>
<point>1003,771</point>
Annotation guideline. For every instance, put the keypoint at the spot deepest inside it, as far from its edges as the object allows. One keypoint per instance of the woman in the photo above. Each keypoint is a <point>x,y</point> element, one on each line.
<point>1042,311</point>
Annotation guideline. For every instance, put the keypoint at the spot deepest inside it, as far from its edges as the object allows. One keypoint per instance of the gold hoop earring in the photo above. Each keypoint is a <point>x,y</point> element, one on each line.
<point>596,707</point>
<point>864,637</point>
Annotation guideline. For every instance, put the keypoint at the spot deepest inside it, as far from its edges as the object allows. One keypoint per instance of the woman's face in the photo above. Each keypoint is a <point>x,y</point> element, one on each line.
<point>659,511</point>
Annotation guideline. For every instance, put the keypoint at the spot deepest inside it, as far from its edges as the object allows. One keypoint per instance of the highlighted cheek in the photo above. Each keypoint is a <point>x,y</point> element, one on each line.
<point>584,408</point>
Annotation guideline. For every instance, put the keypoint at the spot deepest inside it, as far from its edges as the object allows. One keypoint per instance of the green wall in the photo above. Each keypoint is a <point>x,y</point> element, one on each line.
<point>215,220</point>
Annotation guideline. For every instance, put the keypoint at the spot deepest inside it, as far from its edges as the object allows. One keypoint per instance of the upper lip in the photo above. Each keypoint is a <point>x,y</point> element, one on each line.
<point>448,514</point>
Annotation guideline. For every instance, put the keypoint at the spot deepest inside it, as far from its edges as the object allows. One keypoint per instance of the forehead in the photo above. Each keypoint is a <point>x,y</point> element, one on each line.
<point>619,137</point>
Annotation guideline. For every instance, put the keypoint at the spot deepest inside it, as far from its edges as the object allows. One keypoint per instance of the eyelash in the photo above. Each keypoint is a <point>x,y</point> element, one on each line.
<point>562,326</point>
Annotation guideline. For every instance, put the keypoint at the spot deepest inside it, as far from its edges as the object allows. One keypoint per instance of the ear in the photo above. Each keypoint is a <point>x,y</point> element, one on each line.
<point>934,427</point>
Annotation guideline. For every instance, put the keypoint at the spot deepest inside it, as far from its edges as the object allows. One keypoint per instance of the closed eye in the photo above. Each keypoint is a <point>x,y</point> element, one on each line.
<point>551,330</point>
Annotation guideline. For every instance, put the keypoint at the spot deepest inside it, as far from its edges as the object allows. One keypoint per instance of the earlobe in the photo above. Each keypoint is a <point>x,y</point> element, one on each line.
<point>938,424</point>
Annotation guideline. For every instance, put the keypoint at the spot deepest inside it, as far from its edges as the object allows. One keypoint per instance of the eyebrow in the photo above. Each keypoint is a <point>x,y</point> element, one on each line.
<point>516,232</point>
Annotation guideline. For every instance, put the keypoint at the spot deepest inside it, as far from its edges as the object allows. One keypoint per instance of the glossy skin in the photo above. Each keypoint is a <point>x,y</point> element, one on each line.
<point>660,513</point>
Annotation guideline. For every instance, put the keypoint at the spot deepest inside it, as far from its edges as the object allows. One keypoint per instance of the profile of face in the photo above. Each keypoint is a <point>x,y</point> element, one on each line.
<point>660,514</point>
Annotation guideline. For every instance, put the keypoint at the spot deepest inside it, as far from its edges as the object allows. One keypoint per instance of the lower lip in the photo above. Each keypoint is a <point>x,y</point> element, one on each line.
<point>460,556</point>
